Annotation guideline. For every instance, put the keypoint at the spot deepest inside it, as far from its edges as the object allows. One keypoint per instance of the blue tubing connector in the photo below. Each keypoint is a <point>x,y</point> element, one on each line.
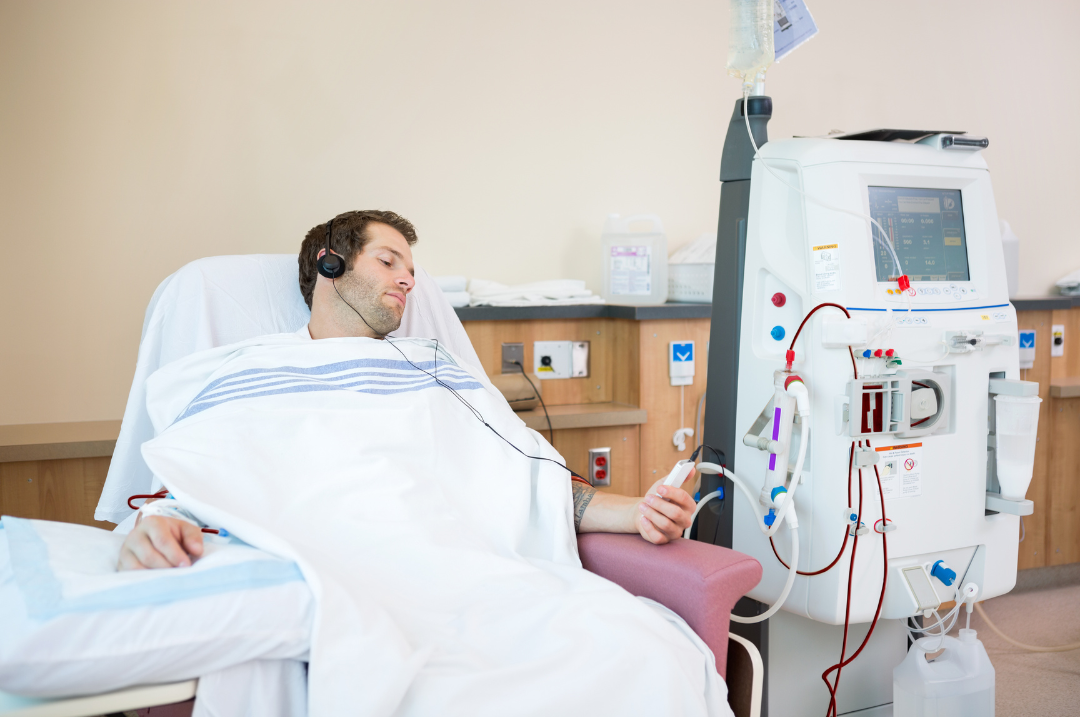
<point>770,518</point>
<point>943,572</point>
<point>778,333</point>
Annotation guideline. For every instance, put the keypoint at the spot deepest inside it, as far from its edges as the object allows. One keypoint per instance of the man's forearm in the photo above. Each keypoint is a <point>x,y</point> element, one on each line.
<point>596,512</point>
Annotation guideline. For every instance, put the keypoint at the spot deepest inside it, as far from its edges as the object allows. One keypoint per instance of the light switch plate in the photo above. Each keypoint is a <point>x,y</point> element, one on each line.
<point>510,353</point>
<point>579,359</point>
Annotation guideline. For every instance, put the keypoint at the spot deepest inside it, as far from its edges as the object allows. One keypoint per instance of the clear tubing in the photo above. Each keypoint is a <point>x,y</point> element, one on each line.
<point>794,530</point>
<point>815,200</point>
<point>944,625</point>
<point>700,505</point>
<point>1022,646</point>
<point>755,504</point>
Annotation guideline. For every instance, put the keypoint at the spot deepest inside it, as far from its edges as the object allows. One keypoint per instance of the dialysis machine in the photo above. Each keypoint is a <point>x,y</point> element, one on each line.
<point>905,338</point>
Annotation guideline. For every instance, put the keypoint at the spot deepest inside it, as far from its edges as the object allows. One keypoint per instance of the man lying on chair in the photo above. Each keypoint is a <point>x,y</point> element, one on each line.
<point>369,300</point>
<point>437,532</point>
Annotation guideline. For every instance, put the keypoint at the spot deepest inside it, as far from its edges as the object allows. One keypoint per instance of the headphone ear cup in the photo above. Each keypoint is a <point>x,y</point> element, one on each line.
<point>331,266</point>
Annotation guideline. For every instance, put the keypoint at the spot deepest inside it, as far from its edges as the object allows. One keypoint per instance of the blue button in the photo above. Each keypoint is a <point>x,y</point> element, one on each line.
<point>777,333</point>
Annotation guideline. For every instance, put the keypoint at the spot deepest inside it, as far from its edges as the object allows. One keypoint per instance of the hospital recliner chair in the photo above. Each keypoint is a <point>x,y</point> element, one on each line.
<point>221,300</point>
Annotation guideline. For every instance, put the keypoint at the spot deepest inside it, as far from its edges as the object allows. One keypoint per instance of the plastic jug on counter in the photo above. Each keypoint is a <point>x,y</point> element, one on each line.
<point>635,260</point>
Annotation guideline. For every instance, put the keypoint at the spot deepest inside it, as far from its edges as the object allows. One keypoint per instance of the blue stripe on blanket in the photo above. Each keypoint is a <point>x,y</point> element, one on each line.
<point>437,368</point>
<point>371,376</point>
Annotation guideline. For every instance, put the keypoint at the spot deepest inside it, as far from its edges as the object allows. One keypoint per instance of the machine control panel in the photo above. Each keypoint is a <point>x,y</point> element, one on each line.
<point>929,293</point>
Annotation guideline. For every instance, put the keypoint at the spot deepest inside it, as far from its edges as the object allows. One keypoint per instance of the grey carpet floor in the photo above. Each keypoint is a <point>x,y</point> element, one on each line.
<point>1029,683</point>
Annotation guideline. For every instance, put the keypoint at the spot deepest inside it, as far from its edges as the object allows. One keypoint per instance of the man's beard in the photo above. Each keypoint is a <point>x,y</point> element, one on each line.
<point>366,298</point>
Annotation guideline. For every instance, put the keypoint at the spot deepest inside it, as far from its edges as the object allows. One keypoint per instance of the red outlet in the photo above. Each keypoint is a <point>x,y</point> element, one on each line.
<point>601,474</point>
<point>601,461</point>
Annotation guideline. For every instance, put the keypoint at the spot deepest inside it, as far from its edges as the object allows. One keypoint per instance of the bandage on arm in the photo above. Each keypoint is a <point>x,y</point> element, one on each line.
<point>169,508</point>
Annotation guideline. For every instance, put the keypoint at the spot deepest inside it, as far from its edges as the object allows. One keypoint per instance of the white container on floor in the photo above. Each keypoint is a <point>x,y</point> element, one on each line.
<point>957,683</point>
<point>635,260</point>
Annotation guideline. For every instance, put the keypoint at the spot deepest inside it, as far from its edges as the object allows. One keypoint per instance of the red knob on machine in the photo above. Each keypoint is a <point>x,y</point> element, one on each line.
<point>601,474</point>
<point>779,299</point>
<point>601,461</point>
<point>877,354</point>
<point>890,353</point>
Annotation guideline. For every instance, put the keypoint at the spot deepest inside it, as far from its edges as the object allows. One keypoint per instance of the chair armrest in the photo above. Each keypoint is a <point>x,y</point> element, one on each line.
<point>700,582</point>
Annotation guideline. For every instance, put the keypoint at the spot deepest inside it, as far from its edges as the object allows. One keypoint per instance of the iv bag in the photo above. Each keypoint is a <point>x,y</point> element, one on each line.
<point>750,41</point>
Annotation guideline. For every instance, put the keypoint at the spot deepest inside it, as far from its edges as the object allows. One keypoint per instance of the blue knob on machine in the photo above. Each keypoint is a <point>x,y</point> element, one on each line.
<point>777,491</point>
<point>943,572</point>
<point>777,333</point>
<point>866,353</point>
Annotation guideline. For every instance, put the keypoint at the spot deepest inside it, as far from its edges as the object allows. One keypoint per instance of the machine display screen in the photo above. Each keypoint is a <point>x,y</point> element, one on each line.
<point>926,228</point>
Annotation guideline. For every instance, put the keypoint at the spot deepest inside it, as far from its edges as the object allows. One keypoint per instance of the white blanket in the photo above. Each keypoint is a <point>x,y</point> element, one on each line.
<point>443,560</point>
<point>220,300</point>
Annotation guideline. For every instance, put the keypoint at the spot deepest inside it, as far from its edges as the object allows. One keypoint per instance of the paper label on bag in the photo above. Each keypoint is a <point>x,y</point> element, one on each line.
<point>631,273</point>
<point>827,268</point>
<point>900,468</point>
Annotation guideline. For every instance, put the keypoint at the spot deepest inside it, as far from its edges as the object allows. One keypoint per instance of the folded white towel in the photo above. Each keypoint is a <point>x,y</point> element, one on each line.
<point>540,293</point>
<point>451,283</point>
<point>457,298</point>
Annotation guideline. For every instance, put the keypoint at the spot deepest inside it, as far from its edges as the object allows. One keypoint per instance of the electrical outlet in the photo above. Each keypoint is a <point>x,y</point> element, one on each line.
<point>600,466</point>
<point>1057,340</point>
<point>561,359</point>
<point>510,354</point>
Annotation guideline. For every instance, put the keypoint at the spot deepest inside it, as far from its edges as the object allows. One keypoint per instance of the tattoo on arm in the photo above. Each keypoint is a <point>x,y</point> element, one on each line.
<point>583,494</point>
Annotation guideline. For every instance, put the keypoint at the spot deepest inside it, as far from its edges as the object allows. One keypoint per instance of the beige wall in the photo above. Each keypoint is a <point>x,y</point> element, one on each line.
<point>137,136</point>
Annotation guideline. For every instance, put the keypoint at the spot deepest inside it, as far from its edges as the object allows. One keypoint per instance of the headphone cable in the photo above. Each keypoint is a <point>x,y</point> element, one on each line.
<point>472,409</point>
<point>551,431</point>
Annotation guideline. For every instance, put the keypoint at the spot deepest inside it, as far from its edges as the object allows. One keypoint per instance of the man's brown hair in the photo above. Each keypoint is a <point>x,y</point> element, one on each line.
<point>348,240</point>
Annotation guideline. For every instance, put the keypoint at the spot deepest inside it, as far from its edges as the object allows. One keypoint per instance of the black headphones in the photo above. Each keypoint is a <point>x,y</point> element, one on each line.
<point>331,265</point>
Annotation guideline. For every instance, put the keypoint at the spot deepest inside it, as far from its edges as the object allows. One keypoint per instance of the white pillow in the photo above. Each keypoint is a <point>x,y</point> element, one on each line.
<point>70,624</point>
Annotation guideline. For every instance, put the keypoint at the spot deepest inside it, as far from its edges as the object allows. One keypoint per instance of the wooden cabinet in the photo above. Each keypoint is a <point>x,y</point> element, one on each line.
<point>1052,532</point>
<point>628,371</point>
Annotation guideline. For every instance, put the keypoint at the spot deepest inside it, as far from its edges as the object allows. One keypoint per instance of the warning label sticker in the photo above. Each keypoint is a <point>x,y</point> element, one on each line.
<point>827,268</point>
<point>900,468</point>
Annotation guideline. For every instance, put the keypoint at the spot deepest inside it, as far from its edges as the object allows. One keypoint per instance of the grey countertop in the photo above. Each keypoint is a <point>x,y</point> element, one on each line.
<point>1046,303</point>
<point>585,311</point>
<point>673,310</point>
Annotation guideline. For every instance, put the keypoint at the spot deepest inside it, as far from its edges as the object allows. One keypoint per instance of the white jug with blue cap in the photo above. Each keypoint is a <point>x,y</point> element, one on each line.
<point>635,260</point>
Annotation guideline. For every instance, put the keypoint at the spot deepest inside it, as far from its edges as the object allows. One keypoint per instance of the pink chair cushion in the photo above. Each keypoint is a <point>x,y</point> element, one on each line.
<point>700,582</point>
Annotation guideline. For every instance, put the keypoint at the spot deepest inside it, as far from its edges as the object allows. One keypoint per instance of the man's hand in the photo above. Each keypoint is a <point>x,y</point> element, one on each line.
<point>665,512</point>
<point>157,542</point>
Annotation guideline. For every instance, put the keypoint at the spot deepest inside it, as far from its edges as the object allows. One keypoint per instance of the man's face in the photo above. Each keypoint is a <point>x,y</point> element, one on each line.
<point>381,278</point>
